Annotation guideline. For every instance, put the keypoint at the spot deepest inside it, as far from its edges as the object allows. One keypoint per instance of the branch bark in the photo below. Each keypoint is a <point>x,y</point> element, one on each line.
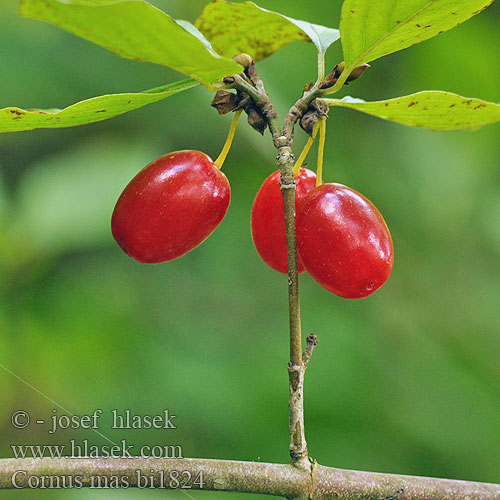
<point>322,483</point>
<point>283,140</point>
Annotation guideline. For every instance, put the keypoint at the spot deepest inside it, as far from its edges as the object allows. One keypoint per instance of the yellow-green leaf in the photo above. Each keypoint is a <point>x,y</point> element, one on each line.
<point>432,109</point>
<point>372,29</point>
<point>136,30</point>
<point>91,110</point>
<point>233,28</point>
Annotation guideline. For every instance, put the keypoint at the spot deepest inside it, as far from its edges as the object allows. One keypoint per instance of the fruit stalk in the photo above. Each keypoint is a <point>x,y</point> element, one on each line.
<point>321,150</point>
<point>229,141</point>
<point>305,151</point>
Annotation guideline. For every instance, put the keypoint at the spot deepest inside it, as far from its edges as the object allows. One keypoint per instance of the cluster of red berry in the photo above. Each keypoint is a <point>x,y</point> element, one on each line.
<point>177,201</point>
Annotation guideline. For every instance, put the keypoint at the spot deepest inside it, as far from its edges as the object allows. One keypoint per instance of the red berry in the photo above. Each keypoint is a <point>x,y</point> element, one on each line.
<point>170,207</point>
<point>268,218</point>
<point>343,241</point>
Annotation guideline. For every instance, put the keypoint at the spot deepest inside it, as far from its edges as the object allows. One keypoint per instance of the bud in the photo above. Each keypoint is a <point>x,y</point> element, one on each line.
<point>308,121</point>
<point>244,60</point>
<point>339,69</point>
<point>357,72</point>
<point>329,81</point>
<point>320,106</point>
<point>332,77</point>
<point>225,102</point>
<point>255,119</point>
<point>317,109</point>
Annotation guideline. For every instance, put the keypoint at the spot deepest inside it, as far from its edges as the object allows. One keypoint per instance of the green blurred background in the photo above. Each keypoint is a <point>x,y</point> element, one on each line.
<point>406,381</point>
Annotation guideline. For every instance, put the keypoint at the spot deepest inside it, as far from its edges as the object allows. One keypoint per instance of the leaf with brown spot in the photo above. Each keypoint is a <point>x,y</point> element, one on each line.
<point>235,28</point>
<point>88,111</point>
<point>371,30</point>
<point>437,110</point>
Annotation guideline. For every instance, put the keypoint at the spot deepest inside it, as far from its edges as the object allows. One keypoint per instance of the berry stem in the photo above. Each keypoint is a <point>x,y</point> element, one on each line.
<point>305,151</point>
<point>230,136</point>
<point>321,149</point>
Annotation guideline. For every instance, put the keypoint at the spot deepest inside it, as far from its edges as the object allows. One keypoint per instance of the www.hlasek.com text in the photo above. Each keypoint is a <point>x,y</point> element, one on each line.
<point>83,449</point>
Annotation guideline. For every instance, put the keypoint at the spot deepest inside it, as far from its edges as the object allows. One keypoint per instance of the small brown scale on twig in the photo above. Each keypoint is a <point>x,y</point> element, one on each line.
<point>227,102</point>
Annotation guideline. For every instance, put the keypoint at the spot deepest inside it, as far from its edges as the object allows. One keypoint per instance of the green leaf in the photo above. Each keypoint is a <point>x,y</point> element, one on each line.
<point>372,29</point>
<point>88,111</point>
<point>321,36</point>
<point>136,30</point>
<point>195,32</point>
<point>432,109</point>
<point>233,28</point>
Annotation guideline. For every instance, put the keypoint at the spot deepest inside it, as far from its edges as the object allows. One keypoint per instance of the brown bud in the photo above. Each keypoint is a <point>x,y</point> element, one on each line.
<point>317,109</point>
<point>308,121</point>
<point>320,106</point>
<point>225,102</point>
<point>339,69</point>
<point>357,72</point>
<point>332,77</point>
<point>329,81</point>
<point>243,59</point>
<point>229,80</point>
<point>255,119</point>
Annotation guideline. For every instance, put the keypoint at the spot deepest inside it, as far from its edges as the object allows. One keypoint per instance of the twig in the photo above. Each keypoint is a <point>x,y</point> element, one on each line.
<point>311,343</point>
<point>244,477</point>
<point>283,140</point>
